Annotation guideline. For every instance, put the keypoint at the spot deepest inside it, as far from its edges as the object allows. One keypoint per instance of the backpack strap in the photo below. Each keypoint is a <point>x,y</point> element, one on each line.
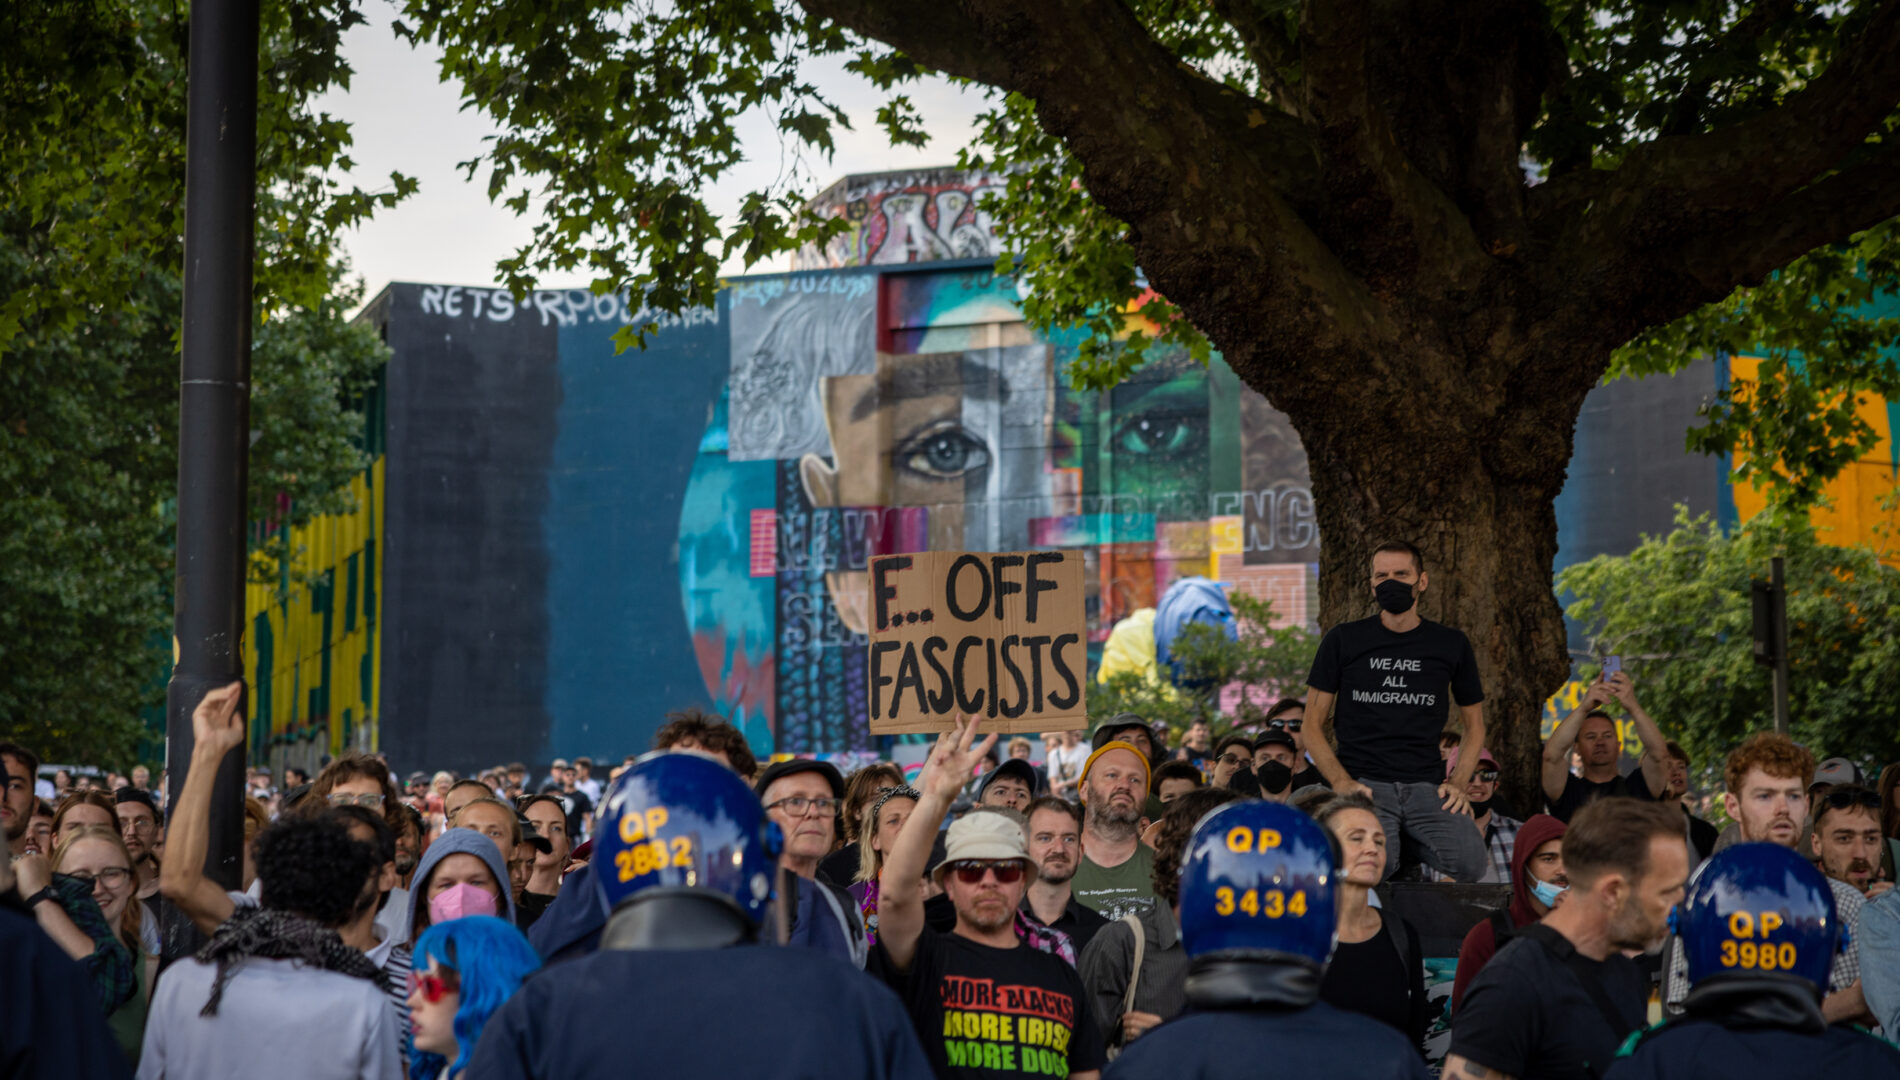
<point>1134,970</point>
<point>1559,946</point>
<point>1134,982</point>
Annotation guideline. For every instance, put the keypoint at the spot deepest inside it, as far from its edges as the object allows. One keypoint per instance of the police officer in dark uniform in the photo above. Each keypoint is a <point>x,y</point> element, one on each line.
<point>1259,919</point>
<point>1759,931</point>
<point>681,986</point>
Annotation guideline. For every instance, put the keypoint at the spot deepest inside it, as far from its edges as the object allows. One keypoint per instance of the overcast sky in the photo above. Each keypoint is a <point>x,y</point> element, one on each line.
<point>405,120</point>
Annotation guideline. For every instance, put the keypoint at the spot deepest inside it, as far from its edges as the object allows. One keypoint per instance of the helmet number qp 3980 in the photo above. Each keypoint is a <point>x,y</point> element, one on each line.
<point>1265,904</point>
<point>1766,956</point>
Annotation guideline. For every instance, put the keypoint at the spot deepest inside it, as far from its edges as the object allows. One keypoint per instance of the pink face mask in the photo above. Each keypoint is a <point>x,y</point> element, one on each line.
<point>457,901</point>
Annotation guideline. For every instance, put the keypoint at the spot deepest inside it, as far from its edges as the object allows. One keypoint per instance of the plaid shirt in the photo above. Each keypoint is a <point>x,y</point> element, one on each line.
<point>1500,838</point>
<point>110,965</point>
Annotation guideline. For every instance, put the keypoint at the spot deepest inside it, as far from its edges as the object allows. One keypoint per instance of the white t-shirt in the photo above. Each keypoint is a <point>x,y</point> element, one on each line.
<point>276,1018</point>
<point>1065,764</point>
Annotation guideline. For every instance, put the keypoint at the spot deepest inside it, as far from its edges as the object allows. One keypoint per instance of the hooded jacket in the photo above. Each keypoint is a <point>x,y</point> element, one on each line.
<point>459,842</point>
<point>1481,942</point>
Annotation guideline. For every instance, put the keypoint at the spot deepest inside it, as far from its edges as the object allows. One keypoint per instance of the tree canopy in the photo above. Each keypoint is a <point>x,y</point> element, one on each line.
<point>1677,610</point>
<point>92,97</point>
<point>1422,230</point>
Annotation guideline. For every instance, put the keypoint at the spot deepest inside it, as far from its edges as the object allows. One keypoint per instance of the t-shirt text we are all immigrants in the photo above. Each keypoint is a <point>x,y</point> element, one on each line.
<point>1393,695</point>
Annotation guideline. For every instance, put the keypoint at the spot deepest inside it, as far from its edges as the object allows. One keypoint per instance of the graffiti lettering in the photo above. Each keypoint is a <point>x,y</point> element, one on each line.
<point>907,237</point>
<point>561,307</point>
<point>1281,519</point>
<point>765,290</point>
<point>905,218</point>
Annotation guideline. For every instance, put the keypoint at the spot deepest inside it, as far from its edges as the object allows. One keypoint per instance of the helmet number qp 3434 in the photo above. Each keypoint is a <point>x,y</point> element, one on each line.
<point>1265,904</point>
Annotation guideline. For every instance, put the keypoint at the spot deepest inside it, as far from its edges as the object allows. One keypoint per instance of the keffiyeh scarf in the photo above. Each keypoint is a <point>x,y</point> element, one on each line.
<point>277,935</point>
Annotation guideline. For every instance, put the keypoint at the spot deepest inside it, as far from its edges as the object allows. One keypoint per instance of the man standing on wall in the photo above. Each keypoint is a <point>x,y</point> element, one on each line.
<point>1385,683</point>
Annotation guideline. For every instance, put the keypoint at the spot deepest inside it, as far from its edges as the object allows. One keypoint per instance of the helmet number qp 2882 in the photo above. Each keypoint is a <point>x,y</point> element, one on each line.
<point>1265,904</point>
<point>642,859</point>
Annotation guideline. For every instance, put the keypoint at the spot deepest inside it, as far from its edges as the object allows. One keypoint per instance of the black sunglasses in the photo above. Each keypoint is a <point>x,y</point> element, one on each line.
<point>1841,800</point>
<point>1485,776</point>
<point>1287,725</point>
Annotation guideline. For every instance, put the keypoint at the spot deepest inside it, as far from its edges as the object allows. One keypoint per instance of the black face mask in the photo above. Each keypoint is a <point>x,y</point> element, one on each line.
<point>1394,596</point>
<point>1275,777</point>
<point>1479,809</point>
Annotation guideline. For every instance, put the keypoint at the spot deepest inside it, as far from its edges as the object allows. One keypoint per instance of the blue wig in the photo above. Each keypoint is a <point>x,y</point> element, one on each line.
<point>490,958</point>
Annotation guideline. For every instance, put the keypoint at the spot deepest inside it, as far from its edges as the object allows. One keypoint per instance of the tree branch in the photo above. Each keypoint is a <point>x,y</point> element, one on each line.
<point>1707,179</point>
<point>938,35</point>
<point>1826,212</point>
<point>1265,48</point>
<point>1206,178</point>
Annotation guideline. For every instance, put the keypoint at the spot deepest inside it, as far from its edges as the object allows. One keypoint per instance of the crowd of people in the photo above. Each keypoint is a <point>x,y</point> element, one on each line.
<point>1126,905</point>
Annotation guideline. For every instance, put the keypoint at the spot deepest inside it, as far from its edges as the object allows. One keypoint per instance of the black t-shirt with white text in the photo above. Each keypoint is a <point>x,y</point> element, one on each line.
<point>1393,694</point>
<point>984,1013</point>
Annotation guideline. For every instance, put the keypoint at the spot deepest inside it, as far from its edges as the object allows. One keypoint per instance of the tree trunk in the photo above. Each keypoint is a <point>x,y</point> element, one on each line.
<point>1361,242</point>
<point>1475,495</point>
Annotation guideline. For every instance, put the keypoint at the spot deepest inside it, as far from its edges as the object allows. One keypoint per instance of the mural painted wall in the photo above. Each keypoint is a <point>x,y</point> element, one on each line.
<point>312,654</point>
<point>869,413</point>
<point>561,543</point>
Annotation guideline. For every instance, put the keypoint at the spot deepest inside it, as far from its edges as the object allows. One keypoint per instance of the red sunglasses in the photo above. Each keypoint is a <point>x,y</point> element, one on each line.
<point>971,871</point>
<point>433,987</point>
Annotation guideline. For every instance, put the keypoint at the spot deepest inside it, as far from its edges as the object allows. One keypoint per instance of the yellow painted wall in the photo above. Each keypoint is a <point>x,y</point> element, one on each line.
<point>314,632</point>
<point>1854,515</point>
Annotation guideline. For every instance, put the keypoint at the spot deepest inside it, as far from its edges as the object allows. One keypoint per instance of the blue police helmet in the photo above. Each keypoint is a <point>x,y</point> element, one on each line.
<point>1759,909</point>
<point>678,819</point>
<point>1258,878</point>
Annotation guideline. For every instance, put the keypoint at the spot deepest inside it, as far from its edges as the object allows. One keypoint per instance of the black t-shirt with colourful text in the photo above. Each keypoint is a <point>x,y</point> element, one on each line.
<point>1393,695</point>
<point>984,1013</point>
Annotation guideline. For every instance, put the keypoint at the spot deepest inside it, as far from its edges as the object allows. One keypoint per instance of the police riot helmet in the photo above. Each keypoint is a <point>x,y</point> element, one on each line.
<point>1759,909</point>
<point>681,820</point>
<point>1258,880</point>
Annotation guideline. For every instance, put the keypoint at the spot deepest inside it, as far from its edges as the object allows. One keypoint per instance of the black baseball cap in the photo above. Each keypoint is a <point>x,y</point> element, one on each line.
<point>1276,737</point>
<point>1106,731</point>
<point>1016,767</point>
<point>532,835</point>
<point>779,769</point>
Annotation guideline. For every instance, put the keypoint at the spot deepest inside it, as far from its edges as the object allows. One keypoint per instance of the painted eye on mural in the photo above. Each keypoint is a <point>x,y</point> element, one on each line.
<point>1161,434</point>
<point>943,453</point>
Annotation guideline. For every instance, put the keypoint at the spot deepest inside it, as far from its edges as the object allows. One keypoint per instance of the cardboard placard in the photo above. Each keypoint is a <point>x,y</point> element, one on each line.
<point>1002,634</point>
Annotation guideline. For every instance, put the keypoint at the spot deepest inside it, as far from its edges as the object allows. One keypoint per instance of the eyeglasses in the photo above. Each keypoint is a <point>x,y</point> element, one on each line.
<point>1288,725</point>
<point>1485,776</point>
<point>1235,762</point>
<point>136,824</point>
<point>799,805</point>
<point>1841,800</point>
<point>432,987</point>
<point>971,871</point>
<point>115,877</point>
<point>337,798</point>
